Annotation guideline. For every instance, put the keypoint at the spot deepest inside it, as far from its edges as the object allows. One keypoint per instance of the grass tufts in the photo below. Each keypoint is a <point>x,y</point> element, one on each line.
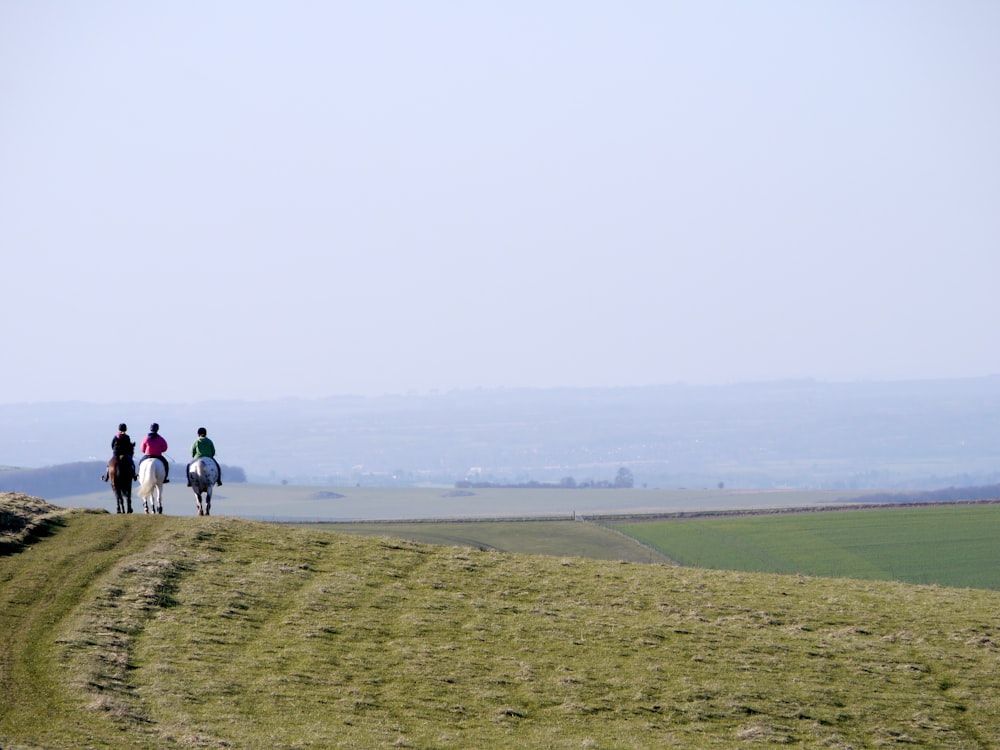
<point>179,633</point>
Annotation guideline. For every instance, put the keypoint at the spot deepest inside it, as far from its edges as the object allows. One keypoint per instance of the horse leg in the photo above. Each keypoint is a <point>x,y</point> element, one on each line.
<point>201,511</point>
<point>121,492</point>
<point>111,475</point>
<point>208,501</point>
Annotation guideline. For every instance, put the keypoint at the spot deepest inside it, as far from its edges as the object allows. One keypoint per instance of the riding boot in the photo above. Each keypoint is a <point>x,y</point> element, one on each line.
<point>166,469</point>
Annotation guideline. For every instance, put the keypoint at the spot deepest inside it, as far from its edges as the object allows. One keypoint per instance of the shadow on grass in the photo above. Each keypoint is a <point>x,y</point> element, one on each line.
<point>168,585</point>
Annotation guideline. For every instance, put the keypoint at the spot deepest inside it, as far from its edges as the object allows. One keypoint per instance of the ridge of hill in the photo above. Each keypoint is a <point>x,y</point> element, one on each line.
<point>22,517</point>
<point>169,632</point>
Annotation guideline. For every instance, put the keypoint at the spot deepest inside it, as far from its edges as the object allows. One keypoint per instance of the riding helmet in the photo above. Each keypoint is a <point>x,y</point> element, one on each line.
<point>122,427</point>
<point>154,427</point>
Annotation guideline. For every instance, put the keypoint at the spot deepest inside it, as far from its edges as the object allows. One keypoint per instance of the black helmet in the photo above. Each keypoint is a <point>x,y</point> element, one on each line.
<point>154,427</point>
<point>122,427</point>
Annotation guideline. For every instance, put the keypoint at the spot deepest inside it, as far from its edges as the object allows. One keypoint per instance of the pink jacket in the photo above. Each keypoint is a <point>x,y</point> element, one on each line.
<point>153,445</point>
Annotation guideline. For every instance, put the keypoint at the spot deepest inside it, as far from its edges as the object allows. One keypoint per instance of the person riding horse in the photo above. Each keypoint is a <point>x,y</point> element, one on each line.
<point>203,447</point>
<point>123,447</point>
<point>154,446</point>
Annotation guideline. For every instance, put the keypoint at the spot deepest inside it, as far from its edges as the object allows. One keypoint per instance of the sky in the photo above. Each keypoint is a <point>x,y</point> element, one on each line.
<point>260,200</point>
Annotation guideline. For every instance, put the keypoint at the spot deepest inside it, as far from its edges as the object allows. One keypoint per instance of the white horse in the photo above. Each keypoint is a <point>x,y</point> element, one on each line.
<point>202,474</point>
<point>151,476</point>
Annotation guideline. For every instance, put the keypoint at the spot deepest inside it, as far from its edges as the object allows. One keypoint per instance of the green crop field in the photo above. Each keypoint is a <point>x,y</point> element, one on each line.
<point>951,545</point>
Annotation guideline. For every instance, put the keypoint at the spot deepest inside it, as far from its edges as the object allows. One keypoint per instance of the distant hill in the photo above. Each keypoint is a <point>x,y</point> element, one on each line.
<point>54,481</point>
<point>79,478</point>
<point>797,434</point>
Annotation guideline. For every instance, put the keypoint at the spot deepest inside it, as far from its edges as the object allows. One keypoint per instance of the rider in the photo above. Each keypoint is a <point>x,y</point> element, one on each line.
<point>203,447</point>
<point>123,447</point>
<point>154,446</point>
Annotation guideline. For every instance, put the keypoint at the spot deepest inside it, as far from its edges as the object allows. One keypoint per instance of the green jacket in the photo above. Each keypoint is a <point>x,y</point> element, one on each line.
<point>203,448</point>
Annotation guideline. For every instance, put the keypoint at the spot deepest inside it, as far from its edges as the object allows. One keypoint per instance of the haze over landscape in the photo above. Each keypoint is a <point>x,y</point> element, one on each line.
<point>793,434</point>
<point>257,201</point>
<point>617,374</point>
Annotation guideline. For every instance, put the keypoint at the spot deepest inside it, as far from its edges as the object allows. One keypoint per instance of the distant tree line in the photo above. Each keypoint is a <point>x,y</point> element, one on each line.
<point>946,495</point>
<point>623,480</point>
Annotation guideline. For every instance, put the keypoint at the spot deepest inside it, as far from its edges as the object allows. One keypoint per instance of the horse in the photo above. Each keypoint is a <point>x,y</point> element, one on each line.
<point>202,474</point>
<point>151,476</point>
<point>120,476</point>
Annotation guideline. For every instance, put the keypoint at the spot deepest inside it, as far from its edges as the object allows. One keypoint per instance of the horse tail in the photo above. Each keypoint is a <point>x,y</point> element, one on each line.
<point>147,476</point>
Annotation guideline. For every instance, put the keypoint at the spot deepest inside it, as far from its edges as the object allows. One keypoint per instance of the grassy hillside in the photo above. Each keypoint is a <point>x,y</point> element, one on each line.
<point>167,632</point>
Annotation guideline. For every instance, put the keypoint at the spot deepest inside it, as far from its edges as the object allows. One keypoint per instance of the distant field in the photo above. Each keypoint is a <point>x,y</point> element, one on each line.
<point>951,545</point>
<point>301,503</point>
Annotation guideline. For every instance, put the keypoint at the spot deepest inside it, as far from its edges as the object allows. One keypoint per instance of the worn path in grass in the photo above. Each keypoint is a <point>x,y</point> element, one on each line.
<point>40,587</point>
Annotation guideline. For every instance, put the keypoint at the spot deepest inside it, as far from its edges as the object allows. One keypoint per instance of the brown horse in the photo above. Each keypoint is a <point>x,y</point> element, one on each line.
<point>120,475</point>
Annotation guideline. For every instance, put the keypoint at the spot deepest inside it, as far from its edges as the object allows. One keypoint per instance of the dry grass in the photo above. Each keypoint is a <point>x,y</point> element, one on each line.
<point>22,516</point>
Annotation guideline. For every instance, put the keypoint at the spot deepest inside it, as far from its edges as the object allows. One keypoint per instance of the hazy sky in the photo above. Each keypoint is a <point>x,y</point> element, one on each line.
<point>205,200</point>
